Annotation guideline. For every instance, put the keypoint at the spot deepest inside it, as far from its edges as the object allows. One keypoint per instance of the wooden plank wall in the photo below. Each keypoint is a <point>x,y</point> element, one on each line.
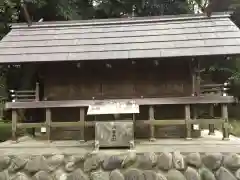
<point>125,79</point>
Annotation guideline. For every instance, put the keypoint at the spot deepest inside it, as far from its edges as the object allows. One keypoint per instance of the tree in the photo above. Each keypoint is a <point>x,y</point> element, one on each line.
<point>8,14</point>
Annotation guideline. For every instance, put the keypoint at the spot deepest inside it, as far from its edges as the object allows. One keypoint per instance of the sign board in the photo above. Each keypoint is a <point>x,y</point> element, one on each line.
<point>114,134</point>
<point>113,107</point>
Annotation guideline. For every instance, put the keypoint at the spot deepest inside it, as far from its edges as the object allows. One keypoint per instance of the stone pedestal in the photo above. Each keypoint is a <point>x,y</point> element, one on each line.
<point>114,133</point>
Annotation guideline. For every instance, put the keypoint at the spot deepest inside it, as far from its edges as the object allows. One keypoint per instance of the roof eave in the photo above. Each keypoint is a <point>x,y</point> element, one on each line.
<point>132,20</point>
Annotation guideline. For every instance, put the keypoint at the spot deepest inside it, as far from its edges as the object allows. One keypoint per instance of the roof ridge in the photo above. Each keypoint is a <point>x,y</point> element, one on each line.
<point>132,20</point>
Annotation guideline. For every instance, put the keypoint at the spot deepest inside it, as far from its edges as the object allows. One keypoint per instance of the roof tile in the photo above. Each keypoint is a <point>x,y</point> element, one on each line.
<point>130,38</point>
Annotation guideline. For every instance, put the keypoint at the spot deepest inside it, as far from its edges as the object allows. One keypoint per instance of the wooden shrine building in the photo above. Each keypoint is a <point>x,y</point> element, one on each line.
<point>151,63</point>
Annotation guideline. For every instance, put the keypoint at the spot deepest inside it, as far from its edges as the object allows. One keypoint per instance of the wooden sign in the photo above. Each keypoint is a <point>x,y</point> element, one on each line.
<point>113,107</point>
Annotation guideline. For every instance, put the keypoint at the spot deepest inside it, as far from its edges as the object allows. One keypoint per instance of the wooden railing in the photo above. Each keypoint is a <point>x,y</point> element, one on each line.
<point>22,101</point>
<point>188,121</point>
<point>214,89</point>
<point>25,95</point>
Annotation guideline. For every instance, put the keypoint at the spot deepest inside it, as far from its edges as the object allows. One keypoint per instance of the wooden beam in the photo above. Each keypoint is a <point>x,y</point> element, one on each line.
<point>67,124</point>
<point>30,125</point>
<point>213,99</point>
<point>137,123</point>
<point>212,85</point>
<point>25,95</point>
<point>24,91</point>
<point>14,124</point>
<point>24,100</point>
<point>179,122</point>
<point>207,121</point>
<point>160,122</point>
<point>215,90</point>
<point>188,119</point>
<point>55,124</point>
<point>48,123</point>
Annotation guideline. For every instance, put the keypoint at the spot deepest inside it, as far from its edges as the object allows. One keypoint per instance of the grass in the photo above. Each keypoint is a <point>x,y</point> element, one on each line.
<point>5,131</point>
<point>235,127</point>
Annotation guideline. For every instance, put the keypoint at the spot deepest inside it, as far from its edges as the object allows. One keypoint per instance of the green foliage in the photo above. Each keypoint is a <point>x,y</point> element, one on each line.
<point>5,131</point>
<point>118,8</point>
<point>3,87</point>
<point>8,14</point>
<point>88,9</point>
<point>225,69</point>
<point>235,127</point>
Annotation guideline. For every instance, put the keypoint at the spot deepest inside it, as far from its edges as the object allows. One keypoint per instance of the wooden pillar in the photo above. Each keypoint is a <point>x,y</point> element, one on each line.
<point>152,128</point>
<point>211,126</point>
<point>198,78</point>
<point>14,124</point>
<point>134,118</point>
<point>195,91</point>
<point>195,69</point>
<point>37,92</point>
<point>225,125</point>
<point>134,123</point>
<point>187,119</point>
<point>193,84</point>
<point>82,120</point>
<point>48,123</point>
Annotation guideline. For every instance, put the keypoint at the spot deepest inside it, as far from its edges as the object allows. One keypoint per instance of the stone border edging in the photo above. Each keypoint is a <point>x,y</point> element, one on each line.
<point>125,166</point>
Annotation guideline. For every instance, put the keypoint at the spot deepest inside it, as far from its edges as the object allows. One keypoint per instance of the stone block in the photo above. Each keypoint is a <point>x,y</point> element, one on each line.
<point>206,174</point>
<point>37,163</point>
<point>147,160</point>
<point>192,174</point>
<point>174,174</point>
<point>134,174</point>
<point>112,162</point>
<point>213,160</point>
<point>178,161</point>
<point>165,161</point>
<point>232,161</point>
<point>122,166</point>
<point>4,162</point>
<point>42,175</point>
<point>78,174</point>
<point>224,174</point>
<point>116,175</point>
<point>114,133</point>
<point>194,159</point>
<point>92,163</point>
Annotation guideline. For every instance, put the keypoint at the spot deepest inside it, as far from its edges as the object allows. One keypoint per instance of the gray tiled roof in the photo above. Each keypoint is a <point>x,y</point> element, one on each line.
<point>121,39</point>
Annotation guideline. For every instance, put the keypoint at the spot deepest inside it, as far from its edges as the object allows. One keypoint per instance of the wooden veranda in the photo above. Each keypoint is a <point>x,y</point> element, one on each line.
<point>188,102</point>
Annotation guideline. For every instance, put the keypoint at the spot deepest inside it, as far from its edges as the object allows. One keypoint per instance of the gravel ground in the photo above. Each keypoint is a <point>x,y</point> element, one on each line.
<point>207,143</point>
